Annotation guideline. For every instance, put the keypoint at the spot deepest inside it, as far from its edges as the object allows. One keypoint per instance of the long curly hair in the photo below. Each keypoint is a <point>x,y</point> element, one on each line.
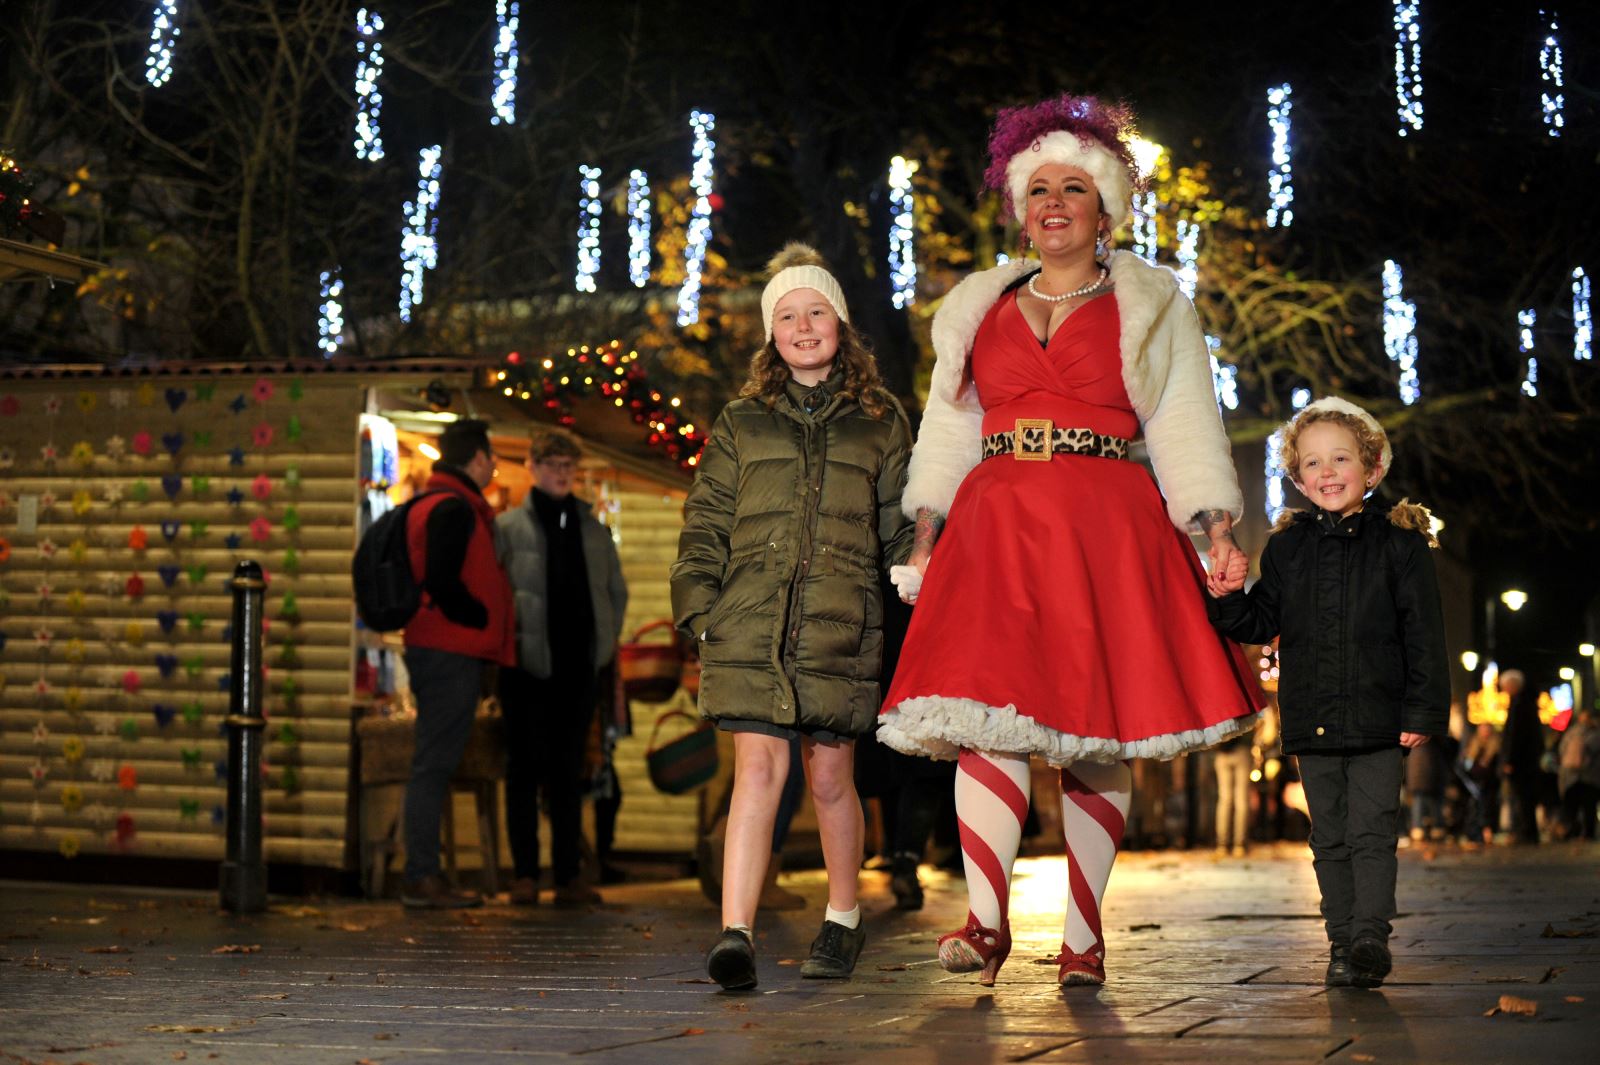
<point>1088,117</point>
<point>1369,444</point>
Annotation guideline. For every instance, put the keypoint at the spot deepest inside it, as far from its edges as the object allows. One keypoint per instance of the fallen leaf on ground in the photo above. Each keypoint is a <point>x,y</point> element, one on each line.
<point>1550,932</point>
<point>1574,998</point>
<point>179,1055</point>
<point>1551,973</point>
<point>788,961</point>
<point>186,1029</point>
<point>1512,1004</point>
<point>736,1007</point>
<point>1143,927</point>
<point>237,948</point>
<point>274,996</point>
<point>107,950</point>
<point>408,940</point>
<point>295,911</point>
<point>891,968</point>
<point>1362,1057</point>
<point>384,1035</point>
<point>694,1031</point>
<point>750,1024</point>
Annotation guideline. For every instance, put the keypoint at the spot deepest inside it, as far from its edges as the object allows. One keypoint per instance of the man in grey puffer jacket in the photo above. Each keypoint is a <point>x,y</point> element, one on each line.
<point>570,598</point>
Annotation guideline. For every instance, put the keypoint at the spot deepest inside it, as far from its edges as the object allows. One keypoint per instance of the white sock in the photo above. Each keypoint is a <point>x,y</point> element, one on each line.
<point>850,918</point>
<point>739,928</point>
<point>1094,808</point>
<point>991,804</point>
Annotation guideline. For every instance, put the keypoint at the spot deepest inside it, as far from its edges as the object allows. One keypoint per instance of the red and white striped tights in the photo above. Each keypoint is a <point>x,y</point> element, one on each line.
<point>991,805</point>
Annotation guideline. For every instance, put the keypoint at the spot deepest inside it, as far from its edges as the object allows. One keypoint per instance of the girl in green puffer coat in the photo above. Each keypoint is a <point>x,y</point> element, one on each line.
<point>795,507</point>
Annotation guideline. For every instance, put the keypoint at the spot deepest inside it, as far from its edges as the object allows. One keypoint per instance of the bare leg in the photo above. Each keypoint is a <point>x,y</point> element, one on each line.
<point>830,768</point>
<point>760,765</point>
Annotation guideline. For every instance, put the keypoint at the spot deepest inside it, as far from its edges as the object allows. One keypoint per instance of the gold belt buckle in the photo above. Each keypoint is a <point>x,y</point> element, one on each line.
<point>1019,449</point>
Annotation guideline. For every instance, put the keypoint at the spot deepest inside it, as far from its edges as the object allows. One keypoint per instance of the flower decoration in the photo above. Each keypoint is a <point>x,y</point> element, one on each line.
<point>291,561</point>
<point>52,405</point>
<point>261,487</point>
<point>291,476</point>
<point>78,550</point>
<point>292,430</point>
<point>134,586</point>
<point>140,491</point>
<point>47,500</point>
<point>117,398</point>
<point>72,698</point>
<point>116,447</point>
<point>44,637</point>
<point>113,492</point>
<point>87,401</point>
<point>45,592</point>
<point>48,453</point>
<point>75,650</point>
<point>47,548</point>
<point>83,453</point>
<point>145,395</point>
<point>41,734</point>
<point>127,778</point>
<point>262,435</point>
<point>131,682</point>
<point>75,600</point>
<point>8,458</point>
<point>200,484</point>
<point>125,830</point>
<point>71,798</point>
<point>236,456</point>
<point>5,499</point>
<point>260,530</point>
<point>73,749</point>
<point>296,390</point>
<point>138,539</point>
<point>142,443</point>
<point>69,845</point>
<point>102,769</point>
<point>41,687</point>
<point>262,390</point>
<point>9,406</point>
<point>5,550</point>
<point>38,771</point>
<point>291,519</point>
<point>81,502</point>
<point>133,633</point>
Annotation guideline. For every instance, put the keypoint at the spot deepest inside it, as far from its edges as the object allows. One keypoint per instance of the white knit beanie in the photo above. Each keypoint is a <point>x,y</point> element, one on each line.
<point>799,266</point>
<point>1335,405</point>
<point>1111,178</point>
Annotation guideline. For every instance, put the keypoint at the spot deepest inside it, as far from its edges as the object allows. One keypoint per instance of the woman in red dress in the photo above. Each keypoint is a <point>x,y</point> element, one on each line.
<point>1062,613</point>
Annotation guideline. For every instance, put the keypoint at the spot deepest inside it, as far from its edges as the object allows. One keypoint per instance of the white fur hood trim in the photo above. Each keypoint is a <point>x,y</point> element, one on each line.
<point>1166,369</point>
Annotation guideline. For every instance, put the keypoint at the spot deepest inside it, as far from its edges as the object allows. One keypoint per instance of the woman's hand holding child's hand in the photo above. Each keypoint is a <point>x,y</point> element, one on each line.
<point>1229,576</point>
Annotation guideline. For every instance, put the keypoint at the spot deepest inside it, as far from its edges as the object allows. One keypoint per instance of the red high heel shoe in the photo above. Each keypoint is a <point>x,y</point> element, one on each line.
<point>976,949</point>
<point>1086,968</point>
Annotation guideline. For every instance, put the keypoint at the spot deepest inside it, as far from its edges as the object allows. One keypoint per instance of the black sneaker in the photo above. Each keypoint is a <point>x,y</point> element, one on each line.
<point>1370,962</point>
<point>731,961</point>
<point>904,883</point>
<point>1338,967</point>
<point>834,952</point>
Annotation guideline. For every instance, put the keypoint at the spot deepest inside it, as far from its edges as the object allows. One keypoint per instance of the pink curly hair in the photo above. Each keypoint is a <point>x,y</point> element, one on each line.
<point>1015,128</point>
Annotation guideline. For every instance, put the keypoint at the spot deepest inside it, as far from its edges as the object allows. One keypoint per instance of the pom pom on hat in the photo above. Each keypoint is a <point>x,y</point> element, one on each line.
<point>799,266</point>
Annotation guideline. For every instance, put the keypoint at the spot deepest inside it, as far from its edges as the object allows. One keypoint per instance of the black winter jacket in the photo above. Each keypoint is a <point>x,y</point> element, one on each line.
<point>1356,603</point>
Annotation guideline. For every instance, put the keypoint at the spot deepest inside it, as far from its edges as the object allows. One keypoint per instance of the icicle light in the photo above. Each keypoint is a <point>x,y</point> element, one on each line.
<point>902,239</point>
<point>164,33</point>
<point>1276,503</point>
<point>1552,101</point>
<point>1582,324</point>
<point>699,234</point>
<point>1280,179</point>
<point>1399,331</point>
<point>1224,377</point>
<point>1144,227</point>
<point>419,245</point>
<point>369,101</point>
<point>1188,234</point>
<point>330,312</point>
<point>588,227</point>
<point>639,228</point>
<point>505,63</point>
<point>1525,322</point>
<point>1408,64</point>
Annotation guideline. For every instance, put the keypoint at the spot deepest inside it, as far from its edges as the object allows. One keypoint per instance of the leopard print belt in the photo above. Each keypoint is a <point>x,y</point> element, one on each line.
<point>1026,443</point>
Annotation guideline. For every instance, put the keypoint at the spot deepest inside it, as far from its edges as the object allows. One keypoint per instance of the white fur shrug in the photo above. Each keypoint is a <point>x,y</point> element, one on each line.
<point>1165,368</point>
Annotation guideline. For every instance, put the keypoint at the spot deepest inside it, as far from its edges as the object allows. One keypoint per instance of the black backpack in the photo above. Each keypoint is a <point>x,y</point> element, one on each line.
<point>387,594</point>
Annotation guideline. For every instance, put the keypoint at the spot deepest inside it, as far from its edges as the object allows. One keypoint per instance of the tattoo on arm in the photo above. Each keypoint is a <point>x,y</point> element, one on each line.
<point>929,526</point>
<point>1217,524</point>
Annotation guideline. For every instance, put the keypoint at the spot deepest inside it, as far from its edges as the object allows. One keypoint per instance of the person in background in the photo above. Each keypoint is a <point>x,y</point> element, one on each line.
<point>465,625</point>
<point>1481,763</point>
<point>1580,774</point>
<point>1426,767</point>
<point>570,599</point>
<point>1235,759</point>
<point>1522,754</point>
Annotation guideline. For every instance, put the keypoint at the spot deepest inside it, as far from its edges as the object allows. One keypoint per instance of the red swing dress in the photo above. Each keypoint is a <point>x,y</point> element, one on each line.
<point>1062,614</point>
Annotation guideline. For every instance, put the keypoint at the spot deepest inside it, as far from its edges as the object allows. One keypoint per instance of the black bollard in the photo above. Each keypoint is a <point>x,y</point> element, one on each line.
<point>244,874</point>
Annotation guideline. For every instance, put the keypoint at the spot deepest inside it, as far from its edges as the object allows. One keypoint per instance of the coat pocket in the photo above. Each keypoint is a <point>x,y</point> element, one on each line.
<point>1380,682</point>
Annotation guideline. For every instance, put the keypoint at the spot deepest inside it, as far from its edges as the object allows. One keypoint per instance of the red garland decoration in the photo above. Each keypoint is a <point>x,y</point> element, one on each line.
<point>605,370</point>
<point>15,190</point>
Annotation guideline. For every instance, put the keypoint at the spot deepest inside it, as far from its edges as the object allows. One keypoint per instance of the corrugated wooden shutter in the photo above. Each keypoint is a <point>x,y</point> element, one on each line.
<point>112,703</point>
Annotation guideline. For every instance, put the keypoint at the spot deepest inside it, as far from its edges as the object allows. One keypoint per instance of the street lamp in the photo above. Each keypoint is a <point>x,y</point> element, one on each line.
<point>1586,650</point>
<point>1567,673</point>
<point>1469,660</point>
<point>1513,599</point>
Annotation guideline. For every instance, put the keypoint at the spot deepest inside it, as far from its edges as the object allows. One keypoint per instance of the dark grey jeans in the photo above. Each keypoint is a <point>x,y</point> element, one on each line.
<point>446,687</point>
<point>1354,798</point>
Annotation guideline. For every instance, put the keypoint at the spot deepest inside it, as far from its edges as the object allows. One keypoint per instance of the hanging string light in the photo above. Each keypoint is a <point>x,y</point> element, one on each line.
<point>1399,331</point>
<point>419,245</point>
<point>1280,179</point>
<point>1224,377</point>
<point>1552,100</point>
<point>902,247</point>
<point>1408,64</point>
<point>369,101</point>
<point>1276,502</point>
<point>330,312</point>
<point>504,98</point>
<point>1144,227</point>
<point>1582,324</point>
<point>639,228</point>
<point>164,33</point>
<point>699,235</point>
<point>1525,321</point>
<point>588,227</point>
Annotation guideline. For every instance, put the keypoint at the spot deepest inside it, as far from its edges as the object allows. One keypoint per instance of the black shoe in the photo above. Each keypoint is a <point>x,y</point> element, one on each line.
<point>432,893</point>
<point>731,961</point>
<point>834,952</point>
<point>1338,974</point>
<point>1370,962</point>
<point>904,883</point>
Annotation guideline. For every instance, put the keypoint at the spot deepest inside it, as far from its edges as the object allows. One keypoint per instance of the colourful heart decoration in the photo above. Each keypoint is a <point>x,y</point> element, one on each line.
<point>176,398</point>
<point>169,575</point>
<point>142,443</point>
<point>168,620</point>
<point>131,682</point>
<point>170,530</point>
<point>163,714</point>
<point>171,484</point>
<point>173,442</point>
<point>167,664</point>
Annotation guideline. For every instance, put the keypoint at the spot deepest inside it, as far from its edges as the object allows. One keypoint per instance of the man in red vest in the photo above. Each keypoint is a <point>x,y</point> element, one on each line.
<point>466,622</point>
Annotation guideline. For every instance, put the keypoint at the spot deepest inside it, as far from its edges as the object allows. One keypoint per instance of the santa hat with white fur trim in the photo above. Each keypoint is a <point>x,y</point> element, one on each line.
<point>1111,178</point>
<point>1335,405</point>
<point>799,266</point>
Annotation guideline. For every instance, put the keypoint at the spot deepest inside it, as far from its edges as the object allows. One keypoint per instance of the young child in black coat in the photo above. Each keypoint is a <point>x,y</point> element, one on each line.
<point>1363,671</point>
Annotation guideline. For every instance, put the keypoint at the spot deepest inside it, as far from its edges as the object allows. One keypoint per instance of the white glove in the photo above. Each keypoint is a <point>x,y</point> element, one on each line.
<point>907,581</point>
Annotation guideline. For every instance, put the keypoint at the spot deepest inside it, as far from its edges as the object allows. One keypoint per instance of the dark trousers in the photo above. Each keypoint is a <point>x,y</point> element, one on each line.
<point>1525,788</point>
<point>446,687</point>
<point>547,734</point>
<point>1354,799</point>
<point>1580,801</point>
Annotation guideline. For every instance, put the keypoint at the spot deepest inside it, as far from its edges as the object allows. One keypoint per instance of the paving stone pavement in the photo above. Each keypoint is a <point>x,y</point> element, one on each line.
<point>1208,960</point>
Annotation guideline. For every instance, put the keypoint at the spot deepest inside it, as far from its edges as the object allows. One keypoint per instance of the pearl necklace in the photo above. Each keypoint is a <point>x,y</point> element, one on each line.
<point>1084,290</point>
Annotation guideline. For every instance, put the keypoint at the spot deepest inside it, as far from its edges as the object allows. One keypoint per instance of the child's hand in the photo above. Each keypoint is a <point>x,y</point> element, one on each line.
<point>1413,739</point>
<point>1228,577</point>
